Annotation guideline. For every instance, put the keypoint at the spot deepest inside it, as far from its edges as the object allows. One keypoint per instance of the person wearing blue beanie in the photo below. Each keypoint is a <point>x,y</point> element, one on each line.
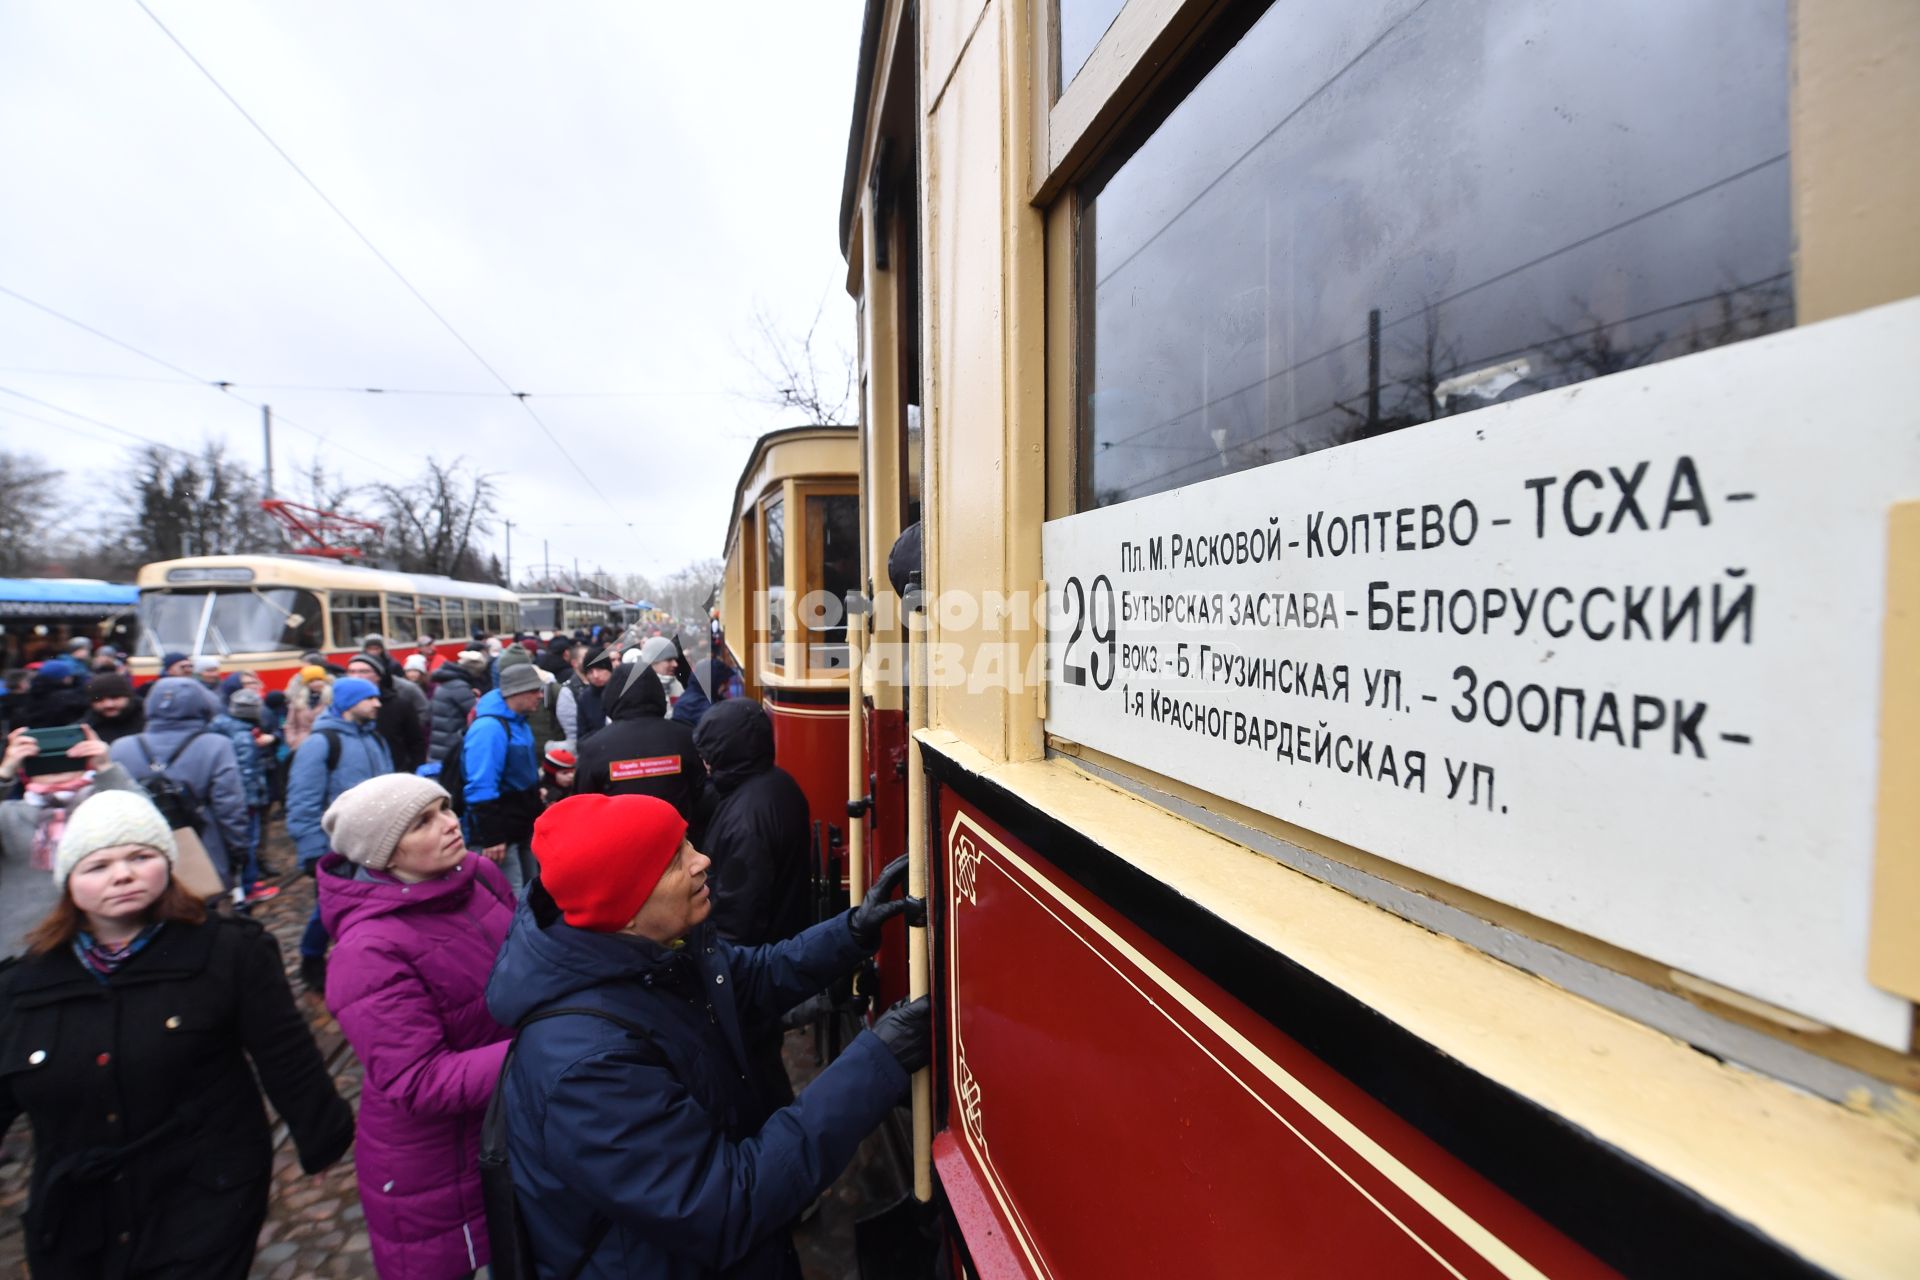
<point>344,750</point>
<point>350,692</point>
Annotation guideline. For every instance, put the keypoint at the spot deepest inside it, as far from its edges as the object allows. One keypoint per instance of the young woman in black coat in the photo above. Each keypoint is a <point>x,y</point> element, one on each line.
<point>125,1037</point>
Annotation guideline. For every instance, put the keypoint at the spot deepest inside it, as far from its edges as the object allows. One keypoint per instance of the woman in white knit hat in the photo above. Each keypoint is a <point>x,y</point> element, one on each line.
<point>417,919</point>
<point>125,1036</point>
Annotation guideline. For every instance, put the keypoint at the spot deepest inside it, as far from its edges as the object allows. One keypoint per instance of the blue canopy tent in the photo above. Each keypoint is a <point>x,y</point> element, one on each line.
<point>39,615</point>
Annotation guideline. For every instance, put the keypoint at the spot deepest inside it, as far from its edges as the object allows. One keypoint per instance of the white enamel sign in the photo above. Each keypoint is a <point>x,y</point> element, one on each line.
<point>1610,654</point>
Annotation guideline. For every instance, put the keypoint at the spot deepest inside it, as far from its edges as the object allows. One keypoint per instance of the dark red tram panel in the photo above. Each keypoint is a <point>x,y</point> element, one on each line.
<point>1112,1112</point>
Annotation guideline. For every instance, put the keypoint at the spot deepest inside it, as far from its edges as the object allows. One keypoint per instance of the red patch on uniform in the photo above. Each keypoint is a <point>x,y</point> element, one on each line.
<point>644,767</point>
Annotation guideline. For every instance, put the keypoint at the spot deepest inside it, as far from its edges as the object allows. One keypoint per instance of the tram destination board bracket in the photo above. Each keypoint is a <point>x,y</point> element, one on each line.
<point>1612,654</point>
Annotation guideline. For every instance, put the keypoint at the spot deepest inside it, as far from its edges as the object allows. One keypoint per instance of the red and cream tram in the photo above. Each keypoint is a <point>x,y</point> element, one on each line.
<point>261,613</point>
<point>1410,729</point>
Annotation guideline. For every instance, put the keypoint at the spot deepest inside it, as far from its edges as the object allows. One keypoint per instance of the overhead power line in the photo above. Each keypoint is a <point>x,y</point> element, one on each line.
<point>385,261</point>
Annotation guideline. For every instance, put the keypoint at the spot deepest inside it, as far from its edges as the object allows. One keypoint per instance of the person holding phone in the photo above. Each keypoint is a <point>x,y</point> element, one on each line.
<point>135,1029</point>
<point>30,828</point>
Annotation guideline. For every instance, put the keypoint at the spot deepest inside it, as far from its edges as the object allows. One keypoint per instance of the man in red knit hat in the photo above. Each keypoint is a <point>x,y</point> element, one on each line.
<point>639,1142</point>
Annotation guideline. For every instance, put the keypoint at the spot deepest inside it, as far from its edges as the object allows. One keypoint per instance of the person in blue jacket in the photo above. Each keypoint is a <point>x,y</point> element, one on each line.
<point>639,1144</point>
<point>501,770</point>
<point>343,751</point>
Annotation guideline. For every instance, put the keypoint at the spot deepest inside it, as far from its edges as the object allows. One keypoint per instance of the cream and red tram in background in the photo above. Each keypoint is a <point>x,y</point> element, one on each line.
<point>793,556</point>
<point>261,613</point>
<point>1452,812</point>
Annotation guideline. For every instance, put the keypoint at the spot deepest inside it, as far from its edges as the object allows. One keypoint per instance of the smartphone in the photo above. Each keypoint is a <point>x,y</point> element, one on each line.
<point>54,745</point>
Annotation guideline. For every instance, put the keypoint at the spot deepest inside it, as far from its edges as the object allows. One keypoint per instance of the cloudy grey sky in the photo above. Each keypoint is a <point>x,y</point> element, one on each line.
<point>596,195</point>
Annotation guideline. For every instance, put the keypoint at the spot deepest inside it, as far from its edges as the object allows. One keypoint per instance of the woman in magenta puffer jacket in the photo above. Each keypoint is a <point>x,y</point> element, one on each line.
<point>417,919</point>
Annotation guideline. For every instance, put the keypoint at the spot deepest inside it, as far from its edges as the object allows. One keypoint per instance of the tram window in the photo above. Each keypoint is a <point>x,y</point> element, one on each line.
<point>1493,198</point>
<point>833,544</point>
<point>1080,24</point>
<point>456,614</point>
<point>773,561</point>
<point>401,628</point>
<point>355,614</point>
<point>262,621</point>
<point>170,621</point>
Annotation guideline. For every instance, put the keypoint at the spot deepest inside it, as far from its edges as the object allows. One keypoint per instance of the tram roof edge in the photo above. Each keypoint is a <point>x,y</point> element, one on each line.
<point>862,98</point>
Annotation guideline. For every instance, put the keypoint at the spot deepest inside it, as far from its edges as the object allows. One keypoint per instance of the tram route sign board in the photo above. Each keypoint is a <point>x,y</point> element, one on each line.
<point>1610,654</point>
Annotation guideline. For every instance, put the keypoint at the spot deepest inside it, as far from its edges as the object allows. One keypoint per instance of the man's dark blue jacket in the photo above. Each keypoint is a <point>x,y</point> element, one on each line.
<point>666,1137</point>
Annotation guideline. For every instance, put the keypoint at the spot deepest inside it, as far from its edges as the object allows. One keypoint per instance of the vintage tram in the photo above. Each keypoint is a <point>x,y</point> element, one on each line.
<point>261,613</point>
<point>1406,709</point>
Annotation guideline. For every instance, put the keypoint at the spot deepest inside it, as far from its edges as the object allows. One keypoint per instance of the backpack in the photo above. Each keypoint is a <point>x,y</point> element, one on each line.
<point>175,801</point>
<point>453,768</point>
<point>506,1238</point>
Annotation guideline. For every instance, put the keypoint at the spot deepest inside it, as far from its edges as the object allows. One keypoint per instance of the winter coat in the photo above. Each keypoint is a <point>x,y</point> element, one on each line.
<point>666,1137</point>
<point>159,1054</point>
<point>397,720</point>
<point>581,710</point>
<point>420,699</point>
<point>306,703</point>
<point>253,770</point>
<point>691,705</point>
<point>758,833</point>
<point>179,709</point>
<point>28,893</point>
<point>502,775</point>
<point>310,788</point>
<point>642,753</point>
<point>111,729</point>
<point>407,980</point>
<point>450,707</point>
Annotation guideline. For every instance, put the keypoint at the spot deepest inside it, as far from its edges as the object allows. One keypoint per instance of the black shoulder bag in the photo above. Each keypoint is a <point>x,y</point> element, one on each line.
<point>506,1236</point>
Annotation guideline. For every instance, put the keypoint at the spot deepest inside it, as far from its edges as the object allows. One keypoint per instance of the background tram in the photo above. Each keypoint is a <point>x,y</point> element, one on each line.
<point>261,613</point>
<point>1127,269</point>
<point>792,555</point>
<point>553,611</point>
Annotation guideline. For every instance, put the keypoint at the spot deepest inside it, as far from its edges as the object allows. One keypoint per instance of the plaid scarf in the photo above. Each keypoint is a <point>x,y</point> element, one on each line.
<point>103,961</point>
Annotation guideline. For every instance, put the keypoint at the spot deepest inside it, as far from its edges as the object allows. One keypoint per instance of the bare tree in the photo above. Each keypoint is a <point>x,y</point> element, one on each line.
<point>178,504</point>
<point>29,492</point>
<point>799,372</point>
<point>432,523</point>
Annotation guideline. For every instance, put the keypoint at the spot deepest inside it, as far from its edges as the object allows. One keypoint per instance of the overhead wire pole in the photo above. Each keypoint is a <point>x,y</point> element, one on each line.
<point>266,432</point>
<point>385,261</point>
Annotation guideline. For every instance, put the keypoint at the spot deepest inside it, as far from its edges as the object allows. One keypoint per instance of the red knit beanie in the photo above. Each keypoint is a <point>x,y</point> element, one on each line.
<point>600,856</point>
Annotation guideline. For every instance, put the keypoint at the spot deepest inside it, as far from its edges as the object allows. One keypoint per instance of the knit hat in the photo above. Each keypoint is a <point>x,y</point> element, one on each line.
<point>245,705</point>
<point>365,824</point>
<point>656,650</point>
<point>79,643</point>
<point>374,637</point>
<point>601,657</point>
<point>521,677</point>
<point>416,662</point>
<point>472,660</point>
<point>513,656</point>
<point>205,663</point>
<point>313,671</point>
<point>559,755</point>
<point>601,856</point>
<point>350,692</point>
<point>57,670</point>
<point>109,818</point>
<point>109,684</point>
<point>170,657</point>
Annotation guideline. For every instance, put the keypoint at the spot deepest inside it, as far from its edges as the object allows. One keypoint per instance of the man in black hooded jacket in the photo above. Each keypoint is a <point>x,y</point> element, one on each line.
<point>757,838</point>
<point>642,753</point>
<point>757,834</point>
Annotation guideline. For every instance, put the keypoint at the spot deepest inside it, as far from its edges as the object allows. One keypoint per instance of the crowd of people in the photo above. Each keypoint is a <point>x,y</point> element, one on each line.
<point>563,879</point>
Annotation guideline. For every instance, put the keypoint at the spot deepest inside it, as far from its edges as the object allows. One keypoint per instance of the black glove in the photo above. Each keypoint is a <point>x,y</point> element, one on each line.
<point>875,909</point>
<point>907,1031</point>
<point>682,668</point>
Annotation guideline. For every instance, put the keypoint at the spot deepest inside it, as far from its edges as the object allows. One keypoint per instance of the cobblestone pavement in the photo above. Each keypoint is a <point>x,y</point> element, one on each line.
<point>315,1228</point>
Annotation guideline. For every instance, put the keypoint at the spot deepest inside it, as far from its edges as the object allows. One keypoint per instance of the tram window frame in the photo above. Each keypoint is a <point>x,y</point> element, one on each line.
<point>771,584</point>
<point>353,615</point>
<point>832,654</point>
<point>1628,266</point>
<point>403,623</point>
